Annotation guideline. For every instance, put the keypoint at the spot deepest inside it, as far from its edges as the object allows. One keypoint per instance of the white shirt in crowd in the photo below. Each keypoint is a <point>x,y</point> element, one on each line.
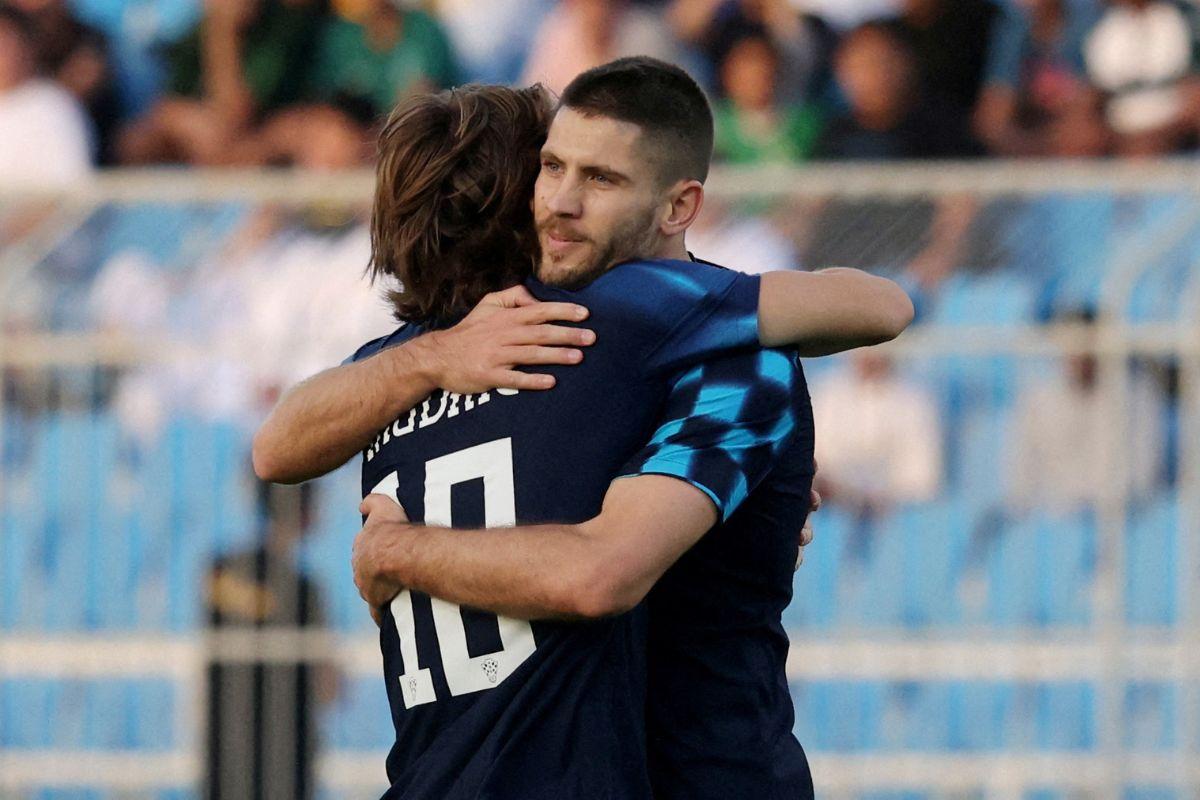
<point>1138,56</point>
<point>878,436</point>
<point>747,244</point>
<point>1059,459</point>
<point>45,140</point>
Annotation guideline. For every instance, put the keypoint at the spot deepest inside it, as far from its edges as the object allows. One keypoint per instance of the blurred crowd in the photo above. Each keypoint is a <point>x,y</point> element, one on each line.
<point>268,297</point>
<point>303,82</point>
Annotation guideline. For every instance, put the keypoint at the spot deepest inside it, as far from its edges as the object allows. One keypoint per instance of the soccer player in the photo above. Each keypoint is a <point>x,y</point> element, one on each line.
<point>500,707</point>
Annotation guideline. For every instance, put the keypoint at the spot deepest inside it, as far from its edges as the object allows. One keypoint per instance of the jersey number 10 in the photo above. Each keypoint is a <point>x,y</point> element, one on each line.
<point>493,462</point>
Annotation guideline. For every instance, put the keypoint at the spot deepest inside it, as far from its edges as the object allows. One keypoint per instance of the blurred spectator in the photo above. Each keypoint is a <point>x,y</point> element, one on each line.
<point>1036,100</point>
<point>752,126</point>
<point>880,440</point>
<point>1060,459</point>
<point>581,34</point>
<point>262,731</point>
<point>846,14</point>
<point>282,299</point>
<point>802,42</point>
<point>1142,54</point>
<point>492,38</point>
<point>949,39</point>
<point>245,58</point>
<point>889,117</point>
<point>44,135</point>
<point>319,138</point>
<point>381,55</point>
<point>76,56</point>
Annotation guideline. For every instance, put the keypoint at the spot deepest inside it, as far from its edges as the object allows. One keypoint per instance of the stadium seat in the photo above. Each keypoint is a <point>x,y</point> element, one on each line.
<point>1151,564</point>
<point>1149,712</point>
<point>816,603</point>
<point>360,719</point>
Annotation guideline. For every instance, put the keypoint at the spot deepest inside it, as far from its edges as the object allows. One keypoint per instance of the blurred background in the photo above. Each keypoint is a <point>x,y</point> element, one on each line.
<point>1001,601</point>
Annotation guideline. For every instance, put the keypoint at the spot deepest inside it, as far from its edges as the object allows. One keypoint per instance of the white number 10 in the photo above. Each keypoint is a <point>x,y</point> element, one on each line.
<point>493,462</point>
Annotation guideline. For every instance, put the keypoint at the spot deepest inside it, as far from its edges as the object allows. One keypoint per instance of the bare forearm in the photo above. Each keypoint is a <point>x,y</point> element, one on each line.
<point>530,572</point>
<point>830,310</point>
<point>321,423</point>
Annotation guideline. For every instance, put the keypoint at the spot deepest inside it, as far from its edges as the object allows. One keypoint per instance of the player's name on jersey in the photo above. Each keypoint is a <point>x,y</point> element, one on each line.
<point>440,405</point>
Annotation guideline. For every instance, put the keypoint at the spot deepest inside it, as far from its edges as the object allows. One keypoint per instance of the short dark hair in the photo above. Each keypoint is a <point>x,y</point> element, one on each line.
<point>663,100</point>
<point>451,219</point>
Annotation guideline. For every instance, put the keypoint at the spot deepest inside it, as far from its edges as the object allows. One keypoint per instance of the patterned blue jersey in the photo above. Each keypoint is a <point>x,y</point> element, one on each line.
<point>486,706</point>
<point>719,713</point>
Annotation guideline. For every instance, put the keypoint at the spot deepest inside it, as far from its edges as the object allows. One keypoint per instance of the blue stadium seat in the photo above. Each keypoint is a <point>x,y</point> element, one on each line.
<point>1152,793</point>
<point>1149,716</point>
<point>1151,564</point>
<point>815,590</point>
<point>1066,561</point>
<point>839,716</point>
<point>999,298</point>
<point>1065,716</point>
<point>976,453</point>
<point>360,719</point>
<point>1041,570</point>
<point>976,713</point>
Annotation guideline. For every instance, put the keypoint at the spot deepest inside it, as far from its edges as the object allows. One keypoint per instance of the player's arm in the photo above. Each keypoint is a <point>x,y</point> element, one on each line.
<point>593,569</point>
<point>714,444</point>
<point>830,310</point>
<point>322,422</point>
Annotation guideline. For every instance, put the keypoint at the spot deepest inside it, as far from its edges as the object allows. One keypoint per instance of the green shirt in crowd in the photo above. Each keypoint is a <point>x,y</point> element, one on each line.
<point>347,64</point>
<point>276,49</point>
<point>793,138</point>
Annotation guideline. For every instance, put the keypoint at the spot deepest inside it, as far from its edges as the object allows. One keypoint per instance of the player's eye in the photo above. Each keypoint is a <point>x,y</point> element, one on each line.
<point>603,179</point>
<point>551,166</point>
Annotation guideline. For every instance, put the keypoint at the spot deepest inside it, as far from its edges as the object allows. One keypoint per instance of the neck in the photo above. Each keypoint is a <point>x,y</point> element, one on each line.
<point>672,248</point>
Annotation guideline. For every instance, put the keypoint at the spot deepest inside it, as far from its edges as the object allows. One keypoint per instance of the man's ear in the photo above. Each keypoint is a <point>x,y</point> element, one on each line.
<point>685,199</point>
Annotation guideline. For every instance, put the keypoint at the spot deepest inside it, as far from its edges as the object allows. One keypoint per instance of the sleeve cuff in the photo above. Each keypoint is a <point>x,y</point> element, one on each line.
<point>675,470</point>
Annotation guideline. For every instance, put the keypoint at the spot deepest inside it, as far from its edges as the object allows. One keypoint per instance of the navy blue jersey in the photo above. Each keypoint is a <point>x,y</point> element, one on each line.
<point>719,713</point>
<point>488,707</point>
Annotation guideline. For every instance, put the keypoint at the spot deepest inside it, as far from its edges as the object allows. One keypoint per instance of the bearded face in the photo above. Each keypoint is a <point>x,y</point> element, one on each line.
<point>595,201</point>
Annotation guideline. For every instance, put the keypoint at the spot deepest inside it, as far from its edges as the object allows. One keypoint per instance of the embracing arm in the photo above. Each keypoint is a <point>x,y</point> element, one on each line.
<point>597,568</point>
<point>322,422</point>
<point>830,310</point>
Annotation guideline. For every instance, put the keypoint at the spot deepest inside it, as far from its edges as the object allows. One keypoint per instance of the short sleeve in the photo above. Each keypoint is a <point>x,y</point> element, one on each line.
<point>724,424</point>
<point>679,312</point>
<point>402,334</point>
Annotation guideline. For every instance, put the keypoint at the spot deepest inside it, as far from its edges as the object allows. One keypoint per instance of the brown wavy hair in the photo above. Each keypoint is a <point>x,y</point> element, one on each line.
<point>452,219</point>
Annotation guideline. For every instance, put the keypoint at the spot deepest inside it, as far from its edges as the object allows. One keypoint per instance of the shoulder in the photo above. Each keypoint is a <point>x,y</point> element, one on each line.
<point>402,334</point>
<point>644,286</point>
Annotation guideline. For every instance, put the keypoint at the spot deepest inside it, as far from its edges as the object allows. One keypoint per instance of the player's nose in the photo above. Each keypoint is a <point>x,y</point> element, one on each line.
<point>564,201</point>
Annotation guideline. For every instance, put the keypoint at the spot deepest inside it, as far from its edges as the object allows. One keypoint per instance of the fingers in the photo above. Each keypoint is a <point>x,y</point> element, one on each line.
<point>377,615</point>
<point>551,335</point>
<point>512,379</point>
<point>378,502</point>
<point>806,534</point>
<point>512,297</point>
<point>814,501</point>
<point>550,312</point>
<point>534,354</point>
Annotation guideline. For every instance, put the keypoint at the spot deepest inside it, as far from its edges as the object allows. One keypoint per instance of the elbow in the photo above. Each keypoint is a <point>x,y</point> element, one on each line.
<point>265,461</point>
<point>897,313</point>
<point>902,315</point>
<point>604,592</point>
